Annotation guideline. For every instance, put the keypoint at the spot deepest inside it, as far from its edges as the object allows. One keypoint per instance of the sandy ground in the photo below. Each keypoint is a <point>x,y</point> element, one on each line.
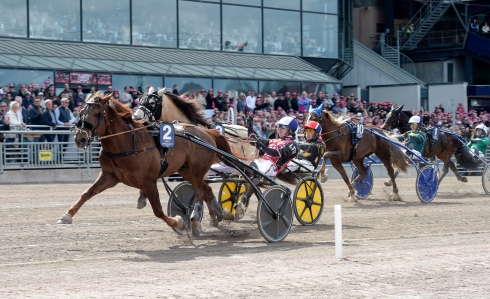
<point>402,249</point>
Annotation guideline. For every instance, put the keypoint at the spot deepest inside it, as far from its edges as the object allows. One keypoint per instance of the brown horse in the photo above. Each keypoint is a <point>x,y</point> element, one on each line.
<point>337,137</point>
<point>130,156</point>
<point>444,147</point>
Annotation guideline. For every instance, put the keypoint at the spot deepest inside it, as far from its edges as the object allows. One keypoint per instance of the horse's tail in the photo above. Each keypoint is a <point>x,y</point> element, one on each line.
<point>398,158</point>
<point>222,143</point>
<point>465,158</point>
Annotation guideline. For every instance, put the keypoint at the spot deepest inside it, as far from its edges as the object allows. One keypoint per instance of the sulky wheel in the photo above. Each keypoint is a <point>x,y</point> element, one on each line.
<point>230,194</point>
<point>275,214</point>
<point>426,183</point>
<point>365,186</point>
<point>485,178</point>
<point>308,201</point>
<point>181,204</point>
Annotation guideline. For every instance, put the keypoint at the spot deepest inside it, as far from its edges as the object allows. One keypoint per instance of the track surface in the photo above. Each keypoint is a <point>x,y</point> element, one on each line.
<point>391,249</point>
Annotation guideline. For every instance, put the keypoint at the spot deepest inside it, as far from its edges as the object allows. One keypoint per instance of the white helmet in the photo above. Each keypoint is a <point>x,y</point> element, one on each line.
<point>414,119</point>
<point>483,128</point>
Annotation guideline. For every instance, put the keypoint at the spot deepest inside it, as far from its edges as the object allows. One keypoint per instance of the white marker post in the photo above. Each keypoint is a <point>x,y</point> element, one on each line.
<point>338,231</point>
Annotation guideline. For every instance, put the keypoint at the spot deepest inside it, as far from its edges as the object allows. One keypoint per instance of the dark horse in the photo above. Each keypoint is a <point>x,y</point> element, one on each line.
<point>446,145</point>
<point>337,137</point>
<point>130,156</point>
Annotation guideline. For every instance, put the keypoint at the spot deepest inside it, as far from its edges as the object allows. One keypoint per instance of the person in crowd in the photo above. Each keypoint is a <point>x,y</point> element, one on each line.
<point>12,91</point>
<point>64,119</point>
<point>250,101</point>
<point>219,101</point>
<point>35,116</point>
<point>23,113</point>
<point>409,30</point>
<point>240,103</point>
<point>109,90</point>
<point>4,126</point>
<point>27,101</point>
<point>14,120</point>
<point>311,151</point>
<point>126,98</point>
<point>474,26</point>
<point>71,94</point>
<point>48,119</point>
<point>175,91</point>
<point>485,30</point>
<point>210,99</point>
<point>3,107</point>
<point>51,93</point>
<point>260,104</point>
<point>22,91</point>
<point>201,98</point>
<point>281,103</point>
<point>272,98</point>
<point>90,93</point>
<point>479,142</point>
<point>303,103</point>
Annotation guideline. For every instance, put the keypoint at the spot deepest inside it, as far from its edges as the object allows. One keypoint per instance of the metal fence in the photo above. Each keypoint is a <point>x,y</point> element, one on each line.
<point>28,153</point>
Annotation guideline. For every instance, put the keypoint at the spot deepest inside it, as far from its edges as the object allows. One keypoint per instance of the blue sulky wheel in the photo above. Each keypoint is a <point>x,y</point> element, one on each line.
<point>485,178</point>
<point>365,186</point>
<point>276,217</point>
<point>426,183</point>
<point>182,204</point>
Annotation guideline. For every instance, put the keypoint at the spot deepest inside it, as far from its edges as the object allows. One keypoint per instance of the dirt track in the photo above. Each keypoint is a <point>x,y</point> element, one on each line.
<point>391,249</point>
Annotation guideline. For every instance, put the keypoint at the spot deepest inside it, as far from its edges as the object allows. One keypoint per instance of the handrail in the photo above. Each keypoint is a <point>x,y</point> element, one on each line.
<point>422,13</point>
<point>403,61</point>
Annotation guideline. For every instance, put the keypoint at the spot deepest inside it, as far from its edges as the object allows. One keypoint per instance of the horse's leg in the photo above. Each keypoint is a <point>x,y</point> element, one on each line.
<point>103,182</point>
<point>151,190</point>
<point>323,171</point>
<point>393,174</point>
<point>337,164</point>
<point>445,170</point>
<point>141,200</point>
<point>456,172</point>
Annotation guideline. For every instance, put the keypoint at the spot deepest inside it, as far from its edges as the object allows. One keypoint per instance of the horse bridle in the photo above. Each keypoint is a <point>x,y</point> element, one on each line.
<point>151,105</point>
<point>81,124</point>
<point>396,124</point>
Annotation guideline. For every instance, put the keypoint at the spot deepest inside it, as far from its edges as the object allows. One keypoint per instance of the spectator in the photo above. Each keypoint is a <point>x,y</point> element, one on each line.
<point>108,91</point>
<point>336,108</point>
<point>219,101</point>
<point>64,119</point>
<point>12,91</point>
<point>294,101</point>
<point>126,98</point>
<point>71,94</point>
<point>35,115</point>
<point>14,121</point>
<point>322,99</point>
<point>3,108</point>
<point>201,98</point>
<point>272,98</point>
<point>48,119</point>
<point>250,101</point>
<point>23,113</point>
<point>27,101</point>
<point>240,103</point>
<point>281,103</point>
<point>303,103</point>
<point>260,104</point>
<point>176,90</point>
<point>4,126</point>
<point>288,99</point>
<point>474,27</point>
<point>485,30</point>
<point>210,99</point>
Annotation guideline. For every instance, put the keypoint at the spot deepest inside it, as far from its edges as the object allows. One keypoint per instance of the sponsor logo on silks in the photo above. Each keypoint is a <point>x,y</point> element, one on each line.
<point>167,135</point>
<point>292,148</point>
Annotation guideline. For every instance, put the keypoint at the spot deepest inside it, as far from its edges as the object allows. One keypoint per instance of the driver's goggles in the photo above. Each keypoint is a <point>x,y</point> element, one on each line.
<point>308,130</point>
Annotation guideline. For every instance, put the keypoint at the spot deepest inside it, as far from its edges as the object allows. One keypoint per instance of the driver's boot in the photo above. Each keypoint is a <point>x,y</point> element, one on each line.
<point>389,182</point>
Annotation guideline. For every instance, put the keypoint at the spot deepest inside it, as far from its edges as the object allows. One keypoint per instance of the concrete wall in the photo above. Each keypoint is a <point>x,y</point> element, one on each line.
<point>437,71</point>
<point>356,90</point>
<point>409,95</point>
<point>365,20</point>
<point>364,75</point>
<point>443,93</point>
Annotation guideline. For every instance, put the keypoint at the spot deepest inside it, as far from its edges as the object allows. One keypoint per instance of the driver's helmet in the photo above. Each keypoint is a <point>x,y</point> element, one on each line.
<point>289,121</point>
<point>483,128</point>
<point>313,125</point>
<point>414,120</point>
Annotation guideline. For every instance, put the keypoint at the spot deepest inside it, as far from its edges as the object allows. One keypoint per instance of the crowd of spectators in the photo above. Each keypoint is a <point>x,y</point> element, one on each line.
<point>40,107</point>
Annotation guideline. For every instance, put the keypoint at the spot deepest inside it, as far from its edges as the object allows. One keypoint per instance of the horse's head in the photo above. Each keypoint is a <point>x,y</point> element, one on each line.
<point>315,114</point>
<point>93,122</point>
<point>150,108</point>
<point>393,119</point>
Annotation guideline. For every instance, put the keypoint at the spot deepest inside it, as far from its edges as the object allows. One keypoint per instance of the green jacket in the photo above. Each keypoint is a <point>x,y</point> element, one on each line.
<point>414,140</point>
<point>480,143</point>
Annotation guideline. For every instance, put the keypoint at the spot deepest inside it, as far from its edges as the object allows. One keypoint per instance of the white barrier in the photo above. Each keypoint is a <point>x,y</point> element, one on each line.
<point>338,231</point>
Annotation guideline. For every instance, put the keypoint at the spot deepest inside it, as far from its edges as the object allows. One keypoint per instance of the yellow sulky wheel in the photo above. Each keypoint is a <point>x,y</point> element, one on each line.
<point>308,201</point>
<point>230,194</point>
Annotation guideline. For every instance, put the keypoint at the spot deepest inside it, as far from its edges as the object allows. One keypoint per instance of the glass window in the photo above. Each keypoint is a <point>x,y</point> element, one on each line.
<point>139,82</point>
<point>239,85</point>
<point>199,26</point>
<point>55,19</point>
<point>14,18</point>
<point>155,23</point>
<point>281,32</point>
<point>106,21</point>
<point>187,84</point>
<point>326,6</point>
<point>242,29</point>
<point>18,77</point>
<point>320,35</point>
<point>279,87</point>
<point>244,2</point>
<point>289,4</point>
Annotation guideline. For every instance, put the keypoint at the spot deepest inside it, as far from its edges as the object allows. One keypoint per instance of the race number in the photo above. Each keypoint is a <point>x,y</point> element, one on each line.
<point>359,131</point>
<point>218,126</point>
<point>167,135</point>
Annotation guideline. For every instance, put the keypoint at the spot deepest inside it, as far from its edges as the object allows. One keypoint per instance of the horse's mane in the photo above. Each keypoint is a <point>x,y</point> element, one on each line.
<point>189,108</point>
<point>336,120</point>
<point>122,111</point>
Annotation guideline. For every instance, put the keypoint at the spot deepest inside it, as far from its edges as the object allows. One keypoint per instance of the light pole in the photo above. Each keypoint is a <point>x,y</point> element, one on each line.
<point>451,102</point>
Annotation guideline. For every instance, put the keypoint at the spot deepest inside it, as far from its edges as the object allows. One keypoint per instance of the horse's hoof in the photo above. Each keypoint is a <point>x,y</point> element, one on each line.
<point>240,210</point>
<point>464,179</point>
<point>388,183</point>
<point>180,222</point>
<point>396,197</point>
<point>65,219</point>
<point>196,228</point>
<point>323,179</point>
<point>213,220</point>
<point>141,203</point>
<point>227,216</point>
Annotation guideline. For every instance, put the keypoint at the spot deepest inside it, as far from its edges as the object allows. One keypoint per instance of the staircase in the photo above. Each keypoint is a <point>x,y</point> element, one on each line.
<point>424,20</point>
<point>396,57</point>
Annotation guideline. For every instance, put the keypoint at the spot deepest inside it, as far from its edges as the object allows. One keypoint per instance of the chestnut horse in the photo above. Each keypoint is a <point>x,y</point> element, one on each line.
<point>337,137</point>
<point>446,145</point>
<point>130,156</point>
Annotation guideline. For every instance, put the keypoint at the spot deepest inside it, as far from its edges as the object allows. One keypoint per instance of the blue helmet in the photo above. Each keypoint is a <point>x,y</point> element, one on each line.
<point>290,122</point>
